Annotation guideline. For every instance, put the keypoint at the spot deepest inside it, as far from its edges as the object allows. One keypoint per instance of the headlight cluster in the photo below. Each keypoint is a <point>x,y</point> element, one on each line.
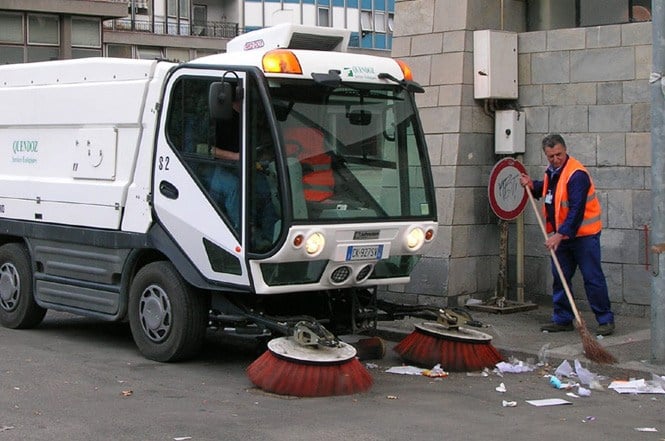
<point>416,237</point>
<point>313,244</point>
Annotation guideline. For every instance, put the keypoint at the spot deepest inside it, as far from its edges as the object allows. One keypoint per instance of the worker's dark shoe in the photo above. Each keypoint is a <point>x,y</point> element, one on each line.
<point>605,329</point>
<point>555,327</point>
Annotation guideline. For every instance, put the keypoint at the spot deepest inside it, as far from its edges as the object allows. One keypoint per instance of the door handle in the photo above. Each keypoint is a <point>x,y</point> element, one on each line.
<point>168,190</point>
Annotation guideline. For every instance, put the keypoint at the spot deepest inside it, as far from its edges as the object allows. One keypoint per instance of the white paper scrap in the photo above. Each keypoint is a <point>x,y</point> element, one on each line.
<point>405,370</point>
<point>646,429</point>
<point>501,388</point>
<point>564,369</point>
<point>514,368</point>
<point>548,402</point>
<point>636,387</point>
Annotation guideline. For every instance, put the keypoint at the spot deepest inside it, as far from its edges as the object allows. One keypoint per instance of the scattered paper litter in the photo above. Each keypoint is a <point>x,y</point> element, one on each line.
<point>435,372</point>
<point>505,403</point>
<point>583,392</point>
<point>405,370</point>
<point>564,369</point>
<point>585,376</point>
<point>501,388</point>
<point>182,438</point>
<point>548,402</point>
<point>646,429</point>
<point>3,428</point>
<point>515,367</point>
<point>636,387</point>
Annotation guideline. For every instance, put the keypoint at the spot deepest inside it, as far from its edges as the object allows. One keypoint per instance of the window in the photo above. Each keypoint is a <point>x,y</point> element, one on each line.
<point>178,7</point>
<point>324,17</point>
<point>119,51</point>
<point>184,9</point>
<point>379,21</point>
<point>43,29</point>
<point>11,28</point>
<point>11,54</point>
<point>602,12</point>
<point>86,53</point>
<point>366,20</point>
<point>560,14</point>
<point>140,7</point>
<point>42,53</point>
<point>176,55</point>
<point>148,53</point>
<point>86,32</point>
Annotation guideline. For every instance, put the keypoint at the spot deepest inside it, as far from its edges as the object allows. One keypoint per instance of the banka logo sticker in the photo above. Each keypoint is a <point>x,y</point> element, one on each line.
<point>25,151</point>
<point>366,72</point>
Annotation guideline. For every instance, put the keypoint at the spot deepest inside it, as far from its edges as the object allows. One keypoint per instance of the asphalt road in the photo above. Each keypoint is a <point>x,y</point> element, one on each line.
<point>80,379</point>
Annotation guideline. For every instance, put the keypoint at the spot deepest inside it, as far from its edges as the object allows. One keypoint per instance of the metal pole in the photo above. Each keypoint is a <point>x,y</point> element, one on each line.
<point>657,83</point>
<point>519,268</point>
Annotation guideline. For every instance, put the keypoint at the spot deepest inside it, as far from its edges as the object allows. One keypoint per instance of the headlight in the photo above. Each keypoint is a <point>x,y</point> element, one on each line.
<point>415,239</point>
<point>314,244</point>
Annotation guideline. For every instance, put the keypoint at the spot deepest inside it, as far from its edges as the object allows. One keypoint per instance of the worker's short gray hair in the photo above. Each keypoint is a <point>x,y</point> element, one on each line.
<point>553,139</point>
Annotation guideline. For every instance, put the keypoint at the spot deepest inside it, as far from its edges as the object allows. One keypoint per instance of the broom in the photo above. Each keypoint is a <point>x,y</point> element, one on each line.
<point>310,363</point>
<point>455,348</point>
<point>592,349</point>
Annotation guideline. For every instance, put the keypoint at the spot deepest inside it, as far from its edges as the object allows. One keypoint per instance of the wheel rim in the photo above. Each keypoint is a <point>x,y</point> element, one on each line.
<point>10,287</point>
<point>155,313</point>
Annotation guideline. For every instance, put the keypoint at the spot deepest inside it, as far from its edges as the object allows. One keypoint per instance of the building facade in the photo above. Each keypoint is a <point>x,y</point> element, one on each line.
<point>38,30</point>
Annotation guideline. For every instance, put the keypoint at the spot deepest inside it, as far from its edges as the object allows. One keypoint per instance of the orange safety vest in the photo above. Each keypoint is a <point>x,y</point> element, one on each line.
<point>318,179</point>
<point>591,223</point>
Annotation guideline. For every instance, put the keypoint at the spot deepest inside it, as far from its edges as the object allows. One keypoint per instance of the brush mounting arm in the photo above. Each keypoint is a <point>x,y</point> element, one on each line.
<point>312,333</point>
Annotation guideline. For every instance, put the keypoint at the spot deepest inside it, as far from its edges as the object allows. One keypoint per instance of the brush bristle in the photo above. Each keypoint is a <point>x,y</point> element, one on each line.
<point>592,349</point>
<point>456,356</point>
<point>300,379</point>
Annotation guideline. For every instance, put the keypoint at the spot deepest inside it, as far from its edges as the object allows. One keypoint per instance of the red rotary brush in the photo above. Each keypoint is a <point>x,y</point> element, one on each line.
<point>289,368</point>
<point>455,349</point>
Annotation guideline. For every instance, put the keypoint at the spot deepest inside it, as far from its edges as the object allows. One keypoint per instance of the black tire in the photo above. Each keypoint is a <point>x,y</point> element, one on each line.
<point>167,317</point>
<point>18,309</point>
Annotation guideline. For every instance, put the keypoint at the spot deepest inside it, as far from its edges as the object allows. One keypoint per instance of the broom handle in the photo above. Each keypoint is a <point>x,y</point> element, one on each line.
<point>554,258</point>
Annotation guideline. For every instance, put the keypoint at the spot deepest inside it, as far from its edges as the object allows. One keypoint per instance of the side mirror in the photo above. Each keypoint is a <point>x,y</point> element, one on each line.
<point>220,100</point>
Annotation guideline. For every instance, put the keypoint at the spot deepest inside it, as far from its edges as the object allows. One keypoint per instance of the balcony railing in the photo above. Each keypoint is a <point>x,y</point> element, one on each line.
<point>212,29</point>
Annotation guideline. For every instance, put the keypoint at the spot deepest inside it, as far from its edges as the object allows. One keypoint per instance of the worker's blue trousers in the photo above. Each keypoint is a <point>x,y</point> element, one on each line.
<point>582,252</point>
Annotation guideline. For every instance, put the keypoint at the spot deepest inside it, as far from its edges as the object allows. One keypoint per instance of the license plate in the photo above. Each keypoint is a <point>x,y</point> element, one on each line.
<point>372,252</point>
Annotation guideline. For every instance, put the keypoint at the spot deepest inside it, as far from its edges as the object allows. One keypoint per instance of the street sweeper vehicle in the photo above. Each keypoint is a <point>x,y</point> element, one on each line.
<point>267,190</point>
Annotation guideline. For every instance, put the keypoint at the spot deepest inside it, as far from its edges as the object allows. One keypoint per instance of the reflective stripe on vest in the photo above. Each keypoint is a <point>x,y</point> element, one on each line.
<point>591,223</point>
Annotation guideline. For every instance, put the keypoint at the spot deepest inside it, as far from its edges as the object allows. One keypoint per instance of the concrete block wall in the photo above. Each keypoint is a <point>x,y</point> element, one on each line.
<point>589,84</point>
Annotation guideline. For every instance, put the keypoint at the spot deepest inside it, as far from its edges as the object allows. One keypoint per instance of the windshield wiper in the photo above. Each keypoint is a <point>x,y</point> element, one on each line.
<point>409,86</point>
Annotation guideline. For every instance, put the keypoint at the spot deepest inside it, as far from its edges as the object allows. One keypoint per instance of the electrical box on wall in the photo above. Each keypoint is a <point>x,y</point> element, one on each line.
<point>509,132</point>
<point>495,64</point>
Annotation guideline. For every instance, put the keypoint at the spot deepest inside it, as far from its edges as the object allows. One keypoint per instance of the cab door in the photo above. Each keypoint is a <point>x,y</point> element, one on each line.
<point>185,172</point>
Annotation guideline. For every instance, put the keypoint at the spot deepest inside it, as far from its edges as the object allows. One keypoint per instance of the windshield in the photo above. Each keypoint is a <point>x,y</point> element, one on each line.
<point>352,152</point>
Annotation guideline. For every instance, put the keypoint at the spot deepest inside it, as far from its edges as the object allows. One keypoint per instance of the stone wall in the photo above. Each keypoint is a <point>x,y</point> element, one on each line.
<point>589,84</point>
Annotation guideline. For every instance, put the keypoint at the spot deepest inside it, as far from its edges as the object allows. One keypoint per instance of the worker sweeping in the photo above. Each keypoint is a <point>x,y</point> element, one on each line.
<point>573,221</point>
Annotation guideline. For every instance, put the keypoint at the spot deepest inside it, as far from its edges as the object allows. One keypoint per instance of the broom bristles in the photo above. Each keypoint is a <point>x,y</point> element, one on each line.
<point>427,350</point>
<point>592,349</point>
<point>301,379</point>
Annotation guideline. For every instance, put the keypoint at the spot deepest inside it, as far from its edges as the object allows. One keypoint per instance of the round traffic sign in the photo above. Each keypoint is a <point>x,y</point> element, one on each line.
<point>506,194</point>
